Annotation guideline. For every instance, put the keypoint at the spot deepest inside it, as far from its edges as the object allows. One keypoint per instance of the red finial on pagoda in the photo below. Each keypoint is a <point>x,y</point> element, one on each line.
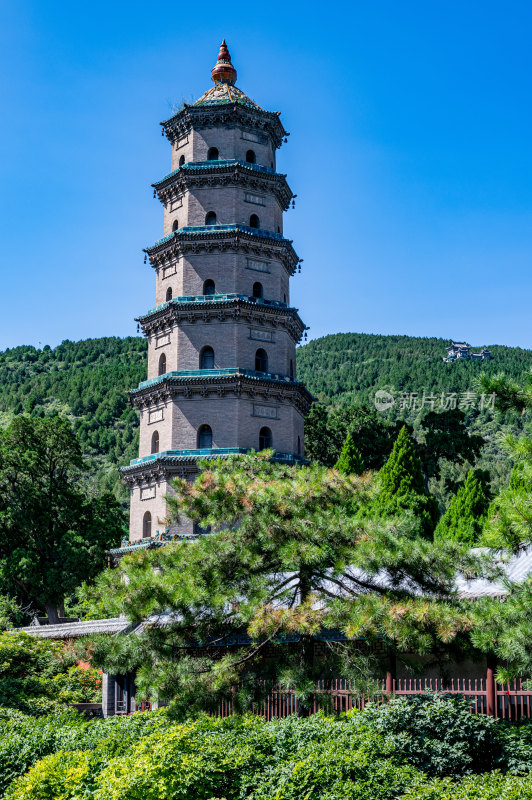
<point>223,71</point>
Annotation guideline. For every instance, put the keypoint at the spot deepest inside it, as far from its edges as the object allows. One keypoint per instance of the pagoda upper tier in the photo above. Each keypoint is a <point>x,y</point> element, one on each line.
<point>224,172</point>
<point>224,105</point>
<point>211,238</point>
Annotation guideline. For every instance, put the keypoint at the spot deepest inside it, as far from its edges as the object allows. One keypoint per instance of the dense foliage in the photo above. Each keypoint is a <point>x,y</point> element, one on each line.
<point>430,748</point>
<point>53,532</point>
<point>464,519</point>
<point>86,382</point>
<point>350,367</point>
<point>402,488</point>
<point>39,675</point>
<point>292,551</point>
<point>350,461</point>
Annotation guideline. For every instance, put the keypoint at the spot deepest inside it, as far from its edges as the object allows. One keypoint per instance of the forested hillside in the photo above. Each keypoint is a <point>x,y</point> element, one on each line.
<point>348,367</point>
<point>87,381</point>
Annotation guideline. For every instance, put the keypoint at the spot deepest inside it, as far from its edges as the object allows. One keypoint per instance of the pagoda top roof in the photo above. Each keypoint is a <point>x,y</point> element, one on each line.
<point>220,99</point>
<point>224,90</point>
<point>222,93</point>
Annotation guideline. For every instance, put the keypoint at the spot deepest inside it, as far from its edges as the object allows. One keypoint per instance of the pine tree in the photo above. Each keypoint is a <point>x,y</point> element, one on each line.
<point>350,461</point>
<point>402,486</point>
<point>285,559</point>
<point>464,519</point>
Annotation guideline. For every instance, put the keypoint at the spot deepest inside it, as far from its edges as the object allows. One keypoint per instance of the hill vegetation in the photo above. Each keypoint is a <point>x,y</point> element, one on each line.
<point>347,368</point>
<point>87,382</point>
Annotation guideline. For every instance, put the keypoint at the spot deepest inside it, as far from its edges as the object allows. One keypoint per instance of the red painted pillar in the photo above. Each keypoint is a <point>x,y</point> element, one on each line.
<point>491,707</point>
<point>390,673</point>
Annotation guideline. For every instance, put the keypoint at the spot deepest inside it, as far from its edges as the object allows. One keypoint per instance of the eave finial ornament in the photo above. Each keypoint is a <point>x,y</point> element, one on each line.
<point>223,71</point>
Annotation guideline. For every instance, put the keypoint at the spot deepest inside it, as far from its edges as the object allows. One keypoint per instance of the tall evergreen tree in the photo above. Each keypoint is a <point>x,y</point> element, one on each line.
<point>464,519</point>
<point>286,559</point>
<point>350,461</point>
<point>53,532</point>
<point>402,487</point>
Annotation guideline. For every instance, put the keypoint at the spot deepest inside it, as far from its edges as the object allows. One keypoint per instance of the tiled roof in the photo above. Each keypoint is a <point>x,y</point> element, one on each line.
<point>222,93</point>
<point>72,630</point>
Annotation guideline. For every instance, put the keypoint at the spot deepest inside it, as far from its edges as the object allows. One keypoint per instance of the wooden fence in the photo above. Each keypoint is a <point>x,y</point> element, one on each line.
<point>511,702</point>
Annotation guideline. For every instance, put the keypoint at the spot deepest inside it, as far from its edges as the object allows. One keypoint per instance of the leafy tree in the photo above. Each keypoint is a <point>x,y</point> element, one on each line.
<point>444,435</point>
<point>402,487</point>
<point>38,676</point>
<point>326,430</point>
<point>504,630</point>
<point>286,559</point>
<point>350,461</point>
<point>465,517</point>
<point>53,533</point>
<point>510,515</point>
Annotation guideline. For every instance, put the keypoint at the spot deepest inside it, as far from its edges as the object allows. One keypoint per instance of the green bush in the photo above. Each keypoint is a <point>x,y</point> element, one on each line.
<point>428,748</point>
<point>438,734</point>
<point>490,786</point>
<point>39,676</point>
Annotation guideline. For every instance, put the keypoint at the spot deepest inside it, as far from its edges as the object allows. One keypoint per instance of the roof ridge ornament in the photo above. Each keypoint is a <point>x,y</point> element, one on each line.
<point>223,71</point>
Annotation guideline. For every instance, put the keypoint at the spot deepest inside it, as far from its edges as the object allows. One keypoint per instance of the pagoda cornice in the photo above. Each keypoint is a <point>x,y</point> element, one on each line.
<point>223,238</point>
<point>231,381</point>
<point>223,308</point>
<point>224,115</point>
<point>184,463</point>
<point>230,172</point>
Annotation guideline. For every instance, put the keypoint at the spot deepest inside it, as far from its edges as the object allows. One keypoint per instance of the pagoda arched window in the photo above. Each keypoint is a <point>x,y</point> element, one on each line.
<point>210,218</point>
<point>155,442</point>
<point>208,287</point>
<point>207,358</point>
<point>175,225</point>
<point>258,289</point>
<point>261,360</point>
<point>291,370</point>
<point>169,294</point>
<point>181,160</point>
<point>205,437</point>
<point>299,445</point>
<point>146,525</point>
<point>254,221</point>
<point>265,439</point>
<point>162,364</point>
<point>213,154</point>
<point>251,157</point>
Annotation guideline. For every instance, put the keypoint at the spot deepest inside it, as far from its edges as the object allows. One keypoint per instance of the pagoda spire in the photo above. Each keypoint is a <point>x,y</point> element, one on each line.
<point>223,71</point>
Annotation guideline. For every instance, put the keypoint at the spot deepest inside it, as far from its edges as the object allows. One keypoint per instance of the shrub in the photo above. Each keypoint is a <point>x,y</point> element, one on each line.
<point>438,734</point>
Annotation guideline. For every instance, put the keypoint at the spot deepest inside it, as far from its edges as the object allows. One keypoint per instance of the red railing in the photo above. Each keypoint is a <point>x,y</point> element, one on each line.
<point>511,702</point>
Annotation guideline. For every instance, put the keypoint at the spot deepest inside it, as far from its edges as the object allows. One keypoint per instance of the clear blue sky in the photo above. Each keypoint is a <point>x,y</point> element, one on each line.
<point>410,152</point>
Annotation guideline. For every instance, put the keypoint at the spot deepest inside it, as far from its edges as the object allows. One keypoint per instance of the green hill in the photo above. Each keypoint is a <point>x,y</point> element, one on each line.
<point>345,368</point>
<point>87,381</point>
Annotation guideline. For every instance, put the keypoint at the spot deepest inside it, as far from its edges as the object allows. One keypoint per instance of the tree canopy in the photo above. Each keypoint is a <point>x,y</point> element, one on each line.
<point>53,531</point>
<point>288,557</point>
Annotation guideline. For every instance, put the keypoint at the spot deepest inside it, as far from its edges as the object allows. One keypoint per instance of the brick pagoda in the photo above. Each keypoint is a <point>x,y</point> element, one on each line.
<point>222,336</point>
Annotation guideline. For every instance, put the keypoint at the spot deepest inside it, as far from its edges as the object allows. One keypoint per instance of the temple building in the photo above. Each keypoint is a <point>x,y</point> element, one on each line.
<point>462,350</point>
<point>222,335</point>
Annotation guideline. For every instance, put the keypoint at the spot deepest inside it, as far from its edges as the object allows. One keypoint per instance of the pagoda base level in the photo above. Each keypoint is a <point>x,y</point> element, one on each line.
<point>150,481</point>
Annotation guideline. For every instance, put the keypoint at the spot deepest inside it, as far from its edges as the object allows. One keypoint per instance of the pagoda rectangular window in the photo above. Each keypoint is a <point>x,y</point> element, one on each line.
<point>256,199</point>
<point>268,412</point>
<point>249,136</point>
<point>258,266</point>
<point>170,269</point>
<point>161,340</point>
<point>260,335</point>
<point>176,202</point>
<point>157,415</point>
<point>147,492</point>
